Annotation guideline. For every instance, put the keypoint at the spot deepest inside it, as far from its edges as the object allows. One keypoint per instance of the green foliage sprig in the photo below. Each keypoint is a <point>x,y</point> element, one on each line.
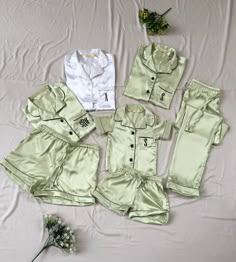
<point>155,23</point>
<point>59,235</point>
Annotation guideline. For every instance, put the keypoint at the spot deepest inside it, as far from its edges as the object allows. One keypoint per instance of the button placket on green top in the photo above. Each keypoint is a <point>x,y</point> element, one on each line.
<point>56,107</point>
<point>152,79</point>
<point>133,149</point>
<point>161,63</point>
<point>132,137</point>
<point>71,132</point>
<point>155,83</point>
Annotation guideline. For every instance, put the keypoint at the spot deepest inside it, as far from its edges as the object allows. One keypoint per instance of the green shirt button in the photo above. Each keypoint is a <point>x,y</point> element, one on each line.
<point>153,78</point>
<point>131,145</point>
<point>147,91</point>
<point>62,120</point>
<point>131,159</point>
<point>132,132</point>
<point>71,133</point>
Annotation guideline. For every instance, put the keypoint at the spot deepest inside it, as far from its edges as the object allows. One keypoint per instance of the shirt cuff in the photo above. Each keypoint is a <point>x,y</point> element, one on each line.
<point>220,134</point>
<point>167,130</point>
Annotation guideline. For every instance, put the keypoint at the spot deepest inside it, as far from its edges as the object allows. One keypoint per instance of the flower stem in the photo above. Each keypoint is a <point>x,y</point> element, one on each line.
<point>45,247</point>
<point>166,12</point>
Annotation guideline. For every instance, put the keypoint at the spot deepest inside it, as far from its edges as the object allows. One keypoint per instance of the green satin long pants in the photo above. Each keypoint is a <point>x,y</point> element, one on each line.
<point>200,125</point>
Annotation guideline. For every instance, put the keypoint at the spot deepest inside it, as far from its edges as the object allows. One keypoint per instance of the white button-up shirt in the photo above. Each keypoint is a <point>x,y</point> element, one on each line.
<point>90,74</point>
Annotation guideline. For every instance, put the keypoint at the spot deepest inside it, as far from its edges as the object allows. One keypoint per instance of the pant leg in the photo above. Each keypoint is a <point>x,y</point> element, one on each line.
<point>200,126</point>
<point>191,153</point>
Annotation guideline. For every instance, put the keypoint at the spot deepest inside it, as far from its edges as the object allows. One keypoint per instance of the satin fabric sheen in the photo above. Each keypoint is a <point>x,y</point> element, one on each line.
<point>90,74</point>
<point>133,193</point>
<point>56,107</point>
<point>133,133</point>
<point>155,75</point>
<point>54,170</point>
<point>50,163</point>
<point>200,125</point>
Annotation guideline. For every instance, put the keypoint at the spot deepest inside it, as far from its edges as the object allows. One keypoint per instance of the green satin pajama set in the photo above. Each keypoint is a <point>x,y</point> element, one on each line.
<point>132,185</point>
<point>50,162</point>
<point>53,165</point>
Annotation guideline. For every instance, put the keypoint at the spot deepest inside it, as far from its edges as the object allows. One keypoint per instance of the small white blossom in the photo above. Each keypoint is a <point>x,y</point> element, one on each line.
<point>60,236</point>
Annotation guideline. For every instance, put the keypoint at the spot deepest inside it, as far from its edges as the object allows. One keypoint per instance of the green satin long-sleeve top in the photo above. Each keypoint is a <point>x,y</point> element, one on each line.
<point>155,75</point>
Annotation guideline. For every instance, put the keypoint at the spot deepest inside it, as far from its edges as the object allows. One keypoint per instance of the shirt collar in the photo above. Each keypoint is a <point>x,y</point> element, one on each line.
<point>56,94</point>
<point>86,69</point>
<point>160,58</point>
<point>146,117</point>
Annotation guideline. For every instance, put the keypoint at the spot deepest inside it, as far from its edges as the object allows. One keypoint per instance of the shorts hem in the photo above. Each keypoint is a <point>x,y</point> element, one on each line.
<point>182,190</point>
<point>16,175</point>
<point>109,204</point>
<point>150,217</point>
<point>62,198</point>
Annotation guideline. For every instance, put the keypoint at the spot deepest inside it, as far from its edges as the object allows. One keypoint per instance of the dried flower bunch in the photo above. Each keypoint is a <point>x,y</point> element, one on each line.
<point>155,23</point>
<point>60,235</point>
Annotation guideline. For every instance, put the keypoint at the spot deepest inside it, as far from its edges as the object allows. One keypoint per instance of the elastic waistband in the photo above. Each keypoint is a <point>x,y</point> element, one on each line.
<point>56,135</point>
<point>210,89</point>
<point>140,174</point>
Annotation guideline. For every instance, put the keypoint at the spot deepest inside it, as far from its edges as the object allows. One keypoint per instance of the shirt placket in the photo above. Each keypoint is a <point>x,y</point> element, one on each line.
<point>132,147</point>
<point>91,86</point>
<point>153,81</point>
<point>70,131</point>
<point>153,77</point>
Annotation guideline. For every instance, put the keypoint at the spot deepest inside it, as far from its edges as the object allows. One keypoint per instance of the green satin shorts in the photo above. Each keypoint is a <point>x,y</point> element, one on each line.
<point>53,169</point>
<point>131,192</point>
<point>200,125</point>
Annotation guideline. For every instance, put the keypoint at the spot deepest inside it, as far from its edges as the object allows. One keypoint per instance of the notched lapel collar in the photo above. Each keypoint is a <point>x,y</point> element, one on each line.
<point>45,113</point>
<point>148,119</point>
<point>160,58</point>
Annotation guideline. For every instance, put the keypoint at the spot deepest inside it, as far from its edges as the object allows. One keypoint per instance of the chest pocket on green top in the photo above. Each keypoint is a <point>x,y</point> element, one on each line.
<point>146,141</point>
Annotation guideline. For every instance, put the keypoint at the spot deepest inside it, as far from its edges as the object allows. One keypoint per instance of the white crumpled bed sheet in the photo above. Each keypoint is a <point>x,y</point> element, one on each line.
<point>34,38</point>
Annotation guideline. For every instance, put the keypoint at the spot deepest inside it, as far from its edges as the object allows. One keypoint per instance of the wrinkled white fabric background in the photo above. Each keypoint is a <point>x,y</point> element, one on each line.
<point>34,38</point>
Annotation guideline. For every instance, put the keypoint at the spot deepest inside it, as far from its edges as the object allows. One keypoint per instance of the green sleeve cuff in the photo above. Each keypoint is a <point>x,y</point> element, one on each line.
<point>219,136</point>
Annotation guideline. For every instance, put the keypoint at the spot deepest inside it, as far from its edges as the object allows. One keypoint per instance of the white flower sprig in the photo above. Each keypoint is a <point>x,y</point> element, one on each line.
<point>60,235</point>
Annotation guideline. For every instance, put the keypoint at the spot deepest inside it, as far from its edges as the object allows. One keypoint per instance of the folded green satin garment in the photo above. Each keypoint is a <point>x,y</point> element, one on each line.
<point>133,134</point>
<point>155,75</point>
<point>128,191</point>
<point>50,162</point>
<point>200,126</point>
<point>56,107</point>
<point>54,169</point>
